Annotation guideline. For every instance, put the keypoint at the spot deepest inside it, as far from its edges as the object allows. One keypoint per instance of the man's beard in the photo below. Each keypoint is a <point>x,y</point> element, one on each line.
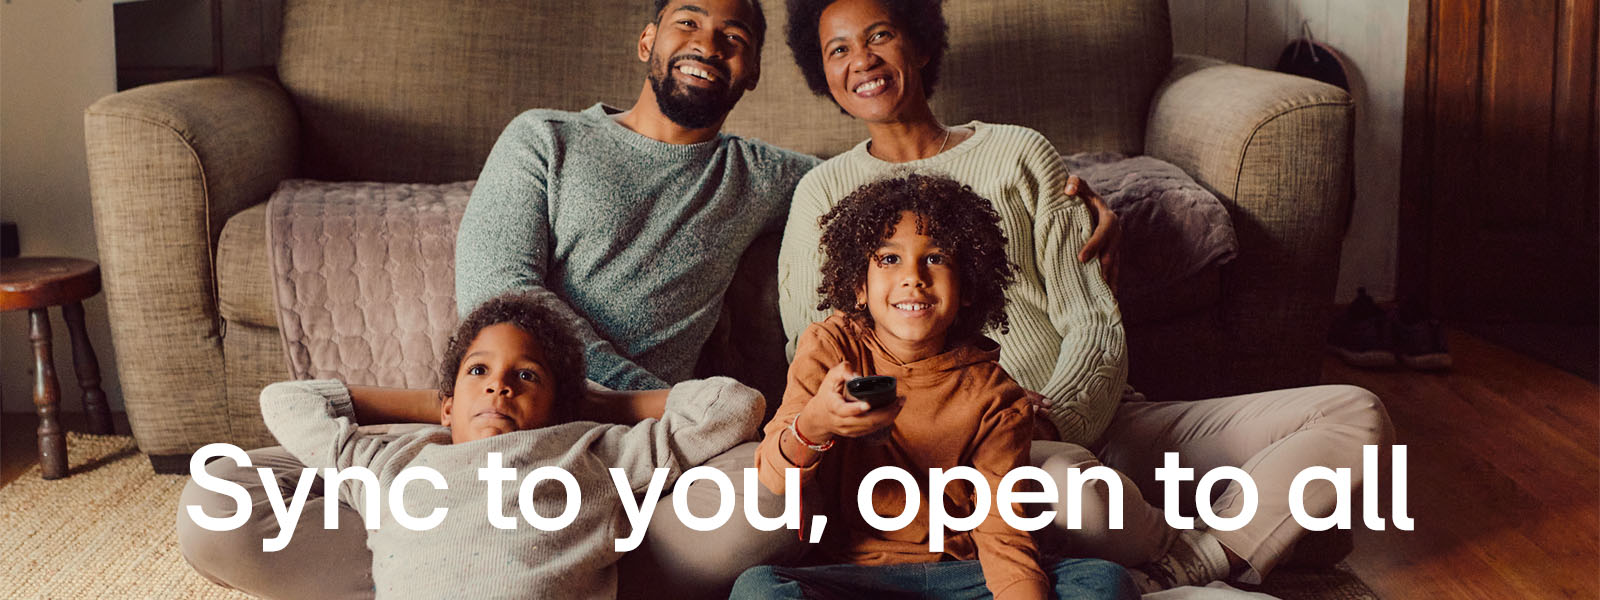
<point>689,107</point>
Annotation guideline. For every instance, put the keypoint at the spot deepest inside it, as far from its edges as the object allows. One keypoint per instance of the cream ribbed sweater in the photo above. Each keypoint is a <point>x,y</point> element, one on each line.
<point>1066,340</point>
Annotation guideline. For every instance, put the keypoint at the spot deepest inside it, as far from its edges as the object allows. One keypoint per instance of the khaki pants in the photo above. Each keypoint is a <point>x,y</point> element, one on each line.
<point>1272,436</point>
<point>673,561</point>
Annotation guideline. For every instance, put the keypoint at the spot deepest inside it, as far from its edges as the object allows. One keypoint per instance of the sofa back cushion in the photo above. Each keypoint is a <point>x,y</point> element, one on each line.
<point>417,91</point>
<point>1082,72</point>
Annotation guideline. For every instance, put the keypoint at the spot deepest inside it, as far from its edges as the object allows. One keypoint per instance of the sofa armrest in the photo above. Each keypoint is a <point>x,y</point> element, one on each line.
<point>168,165</point>
<point>1277,150</point>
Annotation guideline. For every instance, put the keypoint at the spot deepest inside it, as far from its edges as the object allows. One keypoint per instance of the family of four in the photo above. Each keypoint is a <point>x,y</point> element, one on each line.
<point>958,259</point>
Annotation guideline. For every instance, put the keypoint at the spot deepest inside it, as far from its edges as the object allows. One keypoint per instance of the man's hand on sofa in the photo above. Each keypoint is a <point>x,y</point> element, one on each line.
<point>1105,240</point>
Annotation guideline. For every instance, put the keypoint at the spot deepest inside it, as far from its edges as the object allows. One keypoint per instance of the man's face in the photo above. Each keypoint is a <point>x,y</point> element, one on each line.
<point>704,55</point>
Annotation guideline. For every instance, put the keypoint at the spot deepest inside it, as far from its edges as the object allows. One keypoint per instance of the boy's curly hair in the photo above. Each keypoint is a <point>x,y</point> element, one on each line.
<point>961,223</point>
<point>538,318</point>
<point>922,21</point>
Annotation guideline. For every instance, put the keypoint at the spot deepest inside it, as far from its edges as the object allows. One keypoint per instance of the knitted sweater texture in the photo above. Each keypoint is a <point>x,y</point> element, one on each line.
<point>639,237</point>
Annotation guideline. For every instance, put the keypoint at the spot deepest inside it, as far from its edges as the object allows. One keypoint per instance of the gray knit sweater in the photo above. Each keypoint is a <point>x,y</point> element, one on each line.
<point>639,237</point>
<point>465,555</point>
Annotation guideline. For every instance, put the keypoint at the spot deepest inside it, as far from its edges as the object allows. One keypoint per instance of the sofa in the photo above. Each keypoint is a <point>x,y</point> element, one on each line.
<point>417,92</point>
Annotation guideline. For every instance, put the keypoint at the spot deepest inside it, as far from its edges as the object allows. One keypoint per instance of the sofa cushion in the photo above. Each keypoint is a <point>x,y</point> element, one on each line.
<point>1032,63</point>
<point>1192,294</point>
<point>244,280</point>
<point>1172,227</point>
<point>418,91</point>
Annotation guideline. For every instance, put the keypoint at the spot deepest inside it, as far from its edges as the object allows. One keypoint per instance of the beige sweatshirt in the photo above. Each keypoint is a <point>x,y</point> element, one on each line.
<point>1066,340</point>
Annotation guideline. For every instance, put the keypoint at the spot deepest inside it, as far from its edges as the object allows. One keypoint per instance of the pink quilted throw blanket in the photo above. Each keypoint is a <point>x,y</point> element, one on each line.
<point>364,278</point>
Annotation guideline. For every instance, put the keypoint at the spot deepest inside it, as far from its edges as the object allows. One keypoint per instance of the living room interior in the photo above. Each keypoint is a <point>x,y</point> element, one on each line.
<point>1461,182</point>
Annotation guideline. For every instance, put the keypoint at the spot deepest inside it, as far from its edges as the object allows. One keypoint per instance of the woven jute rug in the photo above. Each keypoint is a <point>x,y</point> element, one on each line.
<point>105,531</point>
<point>108,531</point>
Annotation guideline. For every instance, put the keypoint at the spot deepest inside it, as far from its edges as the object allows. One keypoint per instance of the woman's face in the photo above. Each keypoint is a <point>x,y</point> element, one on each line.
<point>873,70</point>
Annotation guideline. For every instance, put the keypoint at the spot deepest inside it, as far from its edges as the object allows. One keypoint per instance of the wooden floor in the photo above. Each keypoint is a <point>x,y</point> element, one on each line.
<point>1504,478</point>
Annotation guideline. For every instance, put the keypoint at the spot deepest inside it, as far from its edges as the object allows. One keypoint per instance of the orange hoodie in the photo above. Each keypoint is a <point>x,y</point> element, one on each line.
<point>961,409</point>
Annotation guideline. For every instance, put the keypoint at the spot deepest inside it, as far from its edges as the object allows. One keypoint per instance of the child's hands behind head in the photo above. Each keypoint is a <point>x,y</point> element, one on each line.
<point>832,413</point>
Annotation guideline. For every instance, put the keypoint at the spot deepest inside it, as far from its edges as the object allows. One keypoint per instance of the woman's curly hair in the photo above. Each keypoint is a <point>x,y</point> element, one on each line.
<point>534,315</point>
<point>961,223</point>
<point>920,20</point>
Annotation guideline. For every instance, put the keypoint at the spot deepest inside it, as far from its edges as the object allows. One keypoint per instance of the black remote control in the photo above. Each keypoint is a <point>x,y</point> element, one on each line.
<point>876,390</point>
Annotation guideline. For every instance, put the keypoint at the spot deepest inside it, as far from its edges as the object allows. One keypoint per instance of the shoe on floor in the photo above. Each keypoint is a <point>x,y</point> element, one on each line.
<point>1418,338</point>
<point>1361,335</point>
<point>1195,558</point>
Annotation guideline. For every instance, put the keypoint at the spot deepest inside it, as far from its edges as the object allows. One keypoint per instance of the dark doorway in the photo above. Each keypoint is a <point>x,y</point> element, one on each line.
<point>1498,226</point>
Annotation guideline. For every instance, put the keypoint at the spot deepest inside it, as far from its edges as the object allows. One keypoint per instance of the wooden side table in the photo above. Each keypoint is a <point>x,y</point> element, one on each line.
<point>35,284</point>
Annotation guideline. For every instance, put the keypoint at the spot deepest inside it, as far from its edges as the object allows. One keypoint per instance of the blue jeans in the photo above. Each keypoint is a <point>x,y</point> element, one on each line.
<point>1072,579</point>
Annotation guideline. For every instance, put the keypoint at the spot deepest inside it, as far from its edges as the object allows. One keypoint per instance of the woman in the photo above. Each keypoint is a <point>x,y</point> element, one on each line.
<point>878,60</point>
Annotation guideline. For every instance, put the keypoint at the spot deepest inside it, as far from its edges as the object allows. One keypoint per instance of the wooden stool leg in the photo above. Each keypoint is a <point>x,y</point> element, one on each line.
<point>87,368</point>
<point>46,396</point>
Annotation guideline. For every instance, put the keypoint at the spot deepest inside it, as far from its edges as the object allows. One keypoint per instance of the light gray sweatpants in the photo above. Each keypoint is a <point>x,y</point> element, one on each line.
<point>673,561</point>
<point>1272,436</point>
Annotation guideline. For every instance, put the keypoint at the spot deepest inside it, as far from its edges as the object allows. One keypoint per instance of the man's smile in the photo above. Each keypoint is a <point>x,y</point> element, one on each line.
<point>699,71</point>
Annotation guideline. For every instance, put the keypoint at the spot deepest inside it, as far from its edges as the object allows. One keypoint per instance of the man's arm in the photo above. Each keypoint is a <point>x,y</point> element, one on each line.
<point>504,244</point>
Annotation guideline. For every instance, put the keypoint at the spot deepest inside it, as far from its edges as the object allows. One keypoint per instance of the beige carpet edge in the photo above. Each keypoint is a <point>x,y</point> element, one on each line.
<point>104,531</point>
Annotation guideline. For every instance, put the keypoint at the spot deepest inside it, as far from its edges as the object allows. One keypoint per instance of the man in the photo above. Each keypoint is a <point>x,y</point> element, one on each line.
<point>636,221</point>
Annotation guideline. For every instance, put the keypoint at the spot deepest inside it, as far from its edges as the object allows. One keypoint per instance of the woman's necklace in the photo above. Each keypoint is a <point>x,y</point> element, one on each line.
<point>943,143</point>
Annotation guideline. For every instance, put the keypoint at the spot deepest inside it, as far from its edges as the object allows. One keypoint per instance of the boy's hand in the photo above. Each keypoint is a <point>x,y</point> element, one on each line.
<point>833,413</point>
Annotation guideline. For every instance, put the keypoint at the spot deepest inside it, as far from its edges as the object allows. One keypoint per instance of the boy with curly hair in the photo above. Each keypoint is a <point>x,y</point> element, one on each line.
<point>509,384</point>
<point>915,270</point>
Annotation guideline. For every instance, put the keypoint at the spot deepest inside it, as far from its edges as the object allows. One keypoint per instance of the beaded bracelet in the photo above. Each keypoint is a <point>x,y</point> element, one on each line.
<point>795,431</point>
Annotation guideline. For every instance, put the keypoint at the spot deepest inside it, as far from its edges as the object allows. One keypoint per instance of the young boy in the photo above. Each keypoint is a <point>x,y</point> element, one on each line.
<point>509,382</point>
<point>915,269</point>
